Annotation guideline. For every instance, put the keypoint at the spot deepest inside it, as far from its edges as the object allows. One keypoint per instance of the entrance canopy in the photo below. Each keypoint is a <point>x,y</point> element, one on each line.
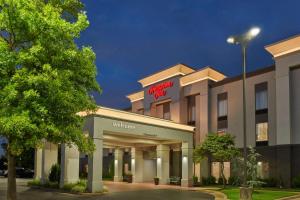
<point>126,129</point>
<point>120,130</point>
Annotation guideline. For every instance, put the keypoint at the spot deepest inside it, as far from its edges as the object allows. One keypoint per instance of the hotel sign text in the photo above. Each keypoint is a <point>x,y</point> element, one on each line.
<point>159,90</point>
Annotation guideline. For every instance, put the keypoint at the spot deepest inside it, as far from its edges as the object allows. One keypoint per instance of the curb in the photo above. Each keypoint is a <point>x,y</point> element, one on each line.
<point>218,195</point>
<point>295,197</point>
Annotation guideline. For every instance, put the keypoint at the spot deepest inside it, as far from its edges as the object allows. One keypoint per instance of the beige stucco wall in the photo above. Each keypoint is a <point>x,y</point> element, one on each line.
<point>283,96</point>
<point>295,105</point>
<point>136,105</point>
<point>235,107</point>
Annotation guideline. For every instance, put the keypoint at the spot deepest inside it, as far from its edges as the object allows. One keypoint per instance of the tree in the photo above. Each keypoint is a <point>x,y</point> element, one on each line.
<point>218,147</point>
<point>45,78</point>
<point>252,166</point>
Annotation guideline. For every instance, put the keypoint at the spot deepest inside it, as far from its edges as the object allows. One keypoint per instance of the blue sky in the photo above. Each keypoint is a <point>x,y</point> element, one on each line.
<point>135,38</point>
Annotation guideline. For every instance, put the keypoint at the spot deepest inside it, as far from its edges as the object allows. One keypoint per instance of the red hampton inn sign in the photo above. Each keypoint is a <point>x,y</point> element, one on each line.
<point>159,90</point>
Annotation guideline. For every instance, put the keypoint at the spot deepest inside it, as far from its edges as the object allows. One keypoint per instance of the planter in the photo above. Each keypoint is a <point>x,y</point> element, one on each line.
<point>156,181</point>
<point>246,193</point>
<point>129,178</point>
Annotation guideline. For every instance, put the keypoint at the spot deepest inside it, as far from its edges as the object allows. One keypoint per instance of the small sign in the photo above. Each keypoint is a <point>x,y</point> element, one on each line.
<point>123,125</point>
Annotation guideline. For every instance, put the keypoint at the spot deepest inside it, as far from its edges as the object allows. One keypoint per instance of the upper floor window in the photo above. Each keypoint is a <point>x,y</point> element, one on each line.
<point>261,96</point>
<point>166,111</point>
<point>222,113</point>
<point>191,109</point>
<point>222,105</point>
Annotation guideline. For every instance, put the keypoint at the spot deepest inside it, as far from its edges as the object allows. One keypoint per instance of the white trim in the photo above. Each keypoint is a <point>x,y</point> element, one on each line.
<point>197,80</point>
<point>129,116</point>
<point>175,74</point>
<point>136,99</point>
<point>287,52</point>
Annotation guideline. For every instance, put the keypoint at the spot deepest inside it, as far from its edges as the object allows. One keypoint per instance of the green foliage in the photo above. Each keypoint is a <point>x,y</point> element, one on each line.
<point>296,182</point>
<point>54,174</point>
<point>211,180</point>
<point>45,79</point>
<point>234,181</point>
<point>266,194</point>
<point>219,147</point>
<point>252,168</point>
<point>221,181</point>
<point>34,182</point>
<point>80,186</point>
<point>268,182</point>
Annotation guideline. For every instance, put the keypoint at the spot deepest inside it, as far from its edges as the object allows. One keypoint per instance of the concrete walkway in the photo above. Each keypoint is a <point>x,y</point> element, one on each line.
<point>117,191</point>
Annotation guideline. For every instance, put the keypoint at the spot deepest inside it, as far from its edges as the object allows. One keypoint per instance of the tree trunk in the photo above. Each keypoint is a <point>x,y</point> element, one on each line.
<point>222,173</point>
<point>11,180</point>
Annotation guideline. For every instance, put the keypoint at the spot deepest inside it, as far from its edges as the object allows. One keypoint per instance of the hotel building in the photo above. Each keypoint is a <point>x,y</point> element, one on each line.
<point>175,110</point>
<point>210,101</point>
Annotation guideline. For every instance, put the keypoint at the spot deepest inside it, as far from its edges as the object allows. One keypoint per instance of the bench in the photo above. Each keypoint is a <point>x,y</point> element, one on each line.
<point>175,180</point>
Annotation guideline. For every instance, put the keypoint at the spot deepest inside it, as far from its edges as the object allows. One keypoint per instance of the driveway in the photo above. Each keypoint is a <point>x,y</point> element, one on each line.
<point>116,192</point>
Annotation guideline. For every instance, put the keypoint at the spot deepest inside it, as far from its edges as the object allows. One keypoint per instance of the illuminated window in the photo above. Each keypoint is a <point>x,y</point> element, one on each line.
<point>262,131</point>
<point>263,169</point>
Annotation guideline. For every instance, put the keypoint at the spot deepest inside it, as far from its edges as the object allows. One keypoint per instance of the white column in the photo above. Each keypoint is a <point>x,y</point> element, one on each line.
<point>137,165</point>
<point>49,158</point>
<point>95,183</point>
<point>163,163</point>
<point>38,164</point>
<point>118,165</point>
<point>187,164</point>
<point>69,165</point>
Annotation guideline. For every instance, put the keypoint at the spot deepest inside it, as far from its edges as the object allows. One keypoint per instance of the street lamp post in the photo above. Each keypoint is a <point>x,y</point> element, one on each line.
<point>244,40</point>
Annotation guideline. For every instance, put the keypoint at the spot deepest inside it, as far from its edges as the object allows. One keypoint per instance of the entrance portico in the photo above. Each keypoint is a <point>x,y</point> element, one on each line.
<point>147,140</point>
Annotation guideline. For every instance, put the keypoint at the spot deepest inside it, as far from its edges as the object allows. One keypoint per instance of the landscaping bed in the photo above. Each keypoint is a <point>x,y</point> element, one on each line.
<point>79,187</point>
<point>233,193</point>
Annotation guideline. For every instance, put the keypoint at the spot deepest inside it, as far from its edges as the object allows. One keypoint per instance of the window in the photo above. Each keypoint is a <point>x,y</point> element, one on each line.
<point>166,111</point>
<point>263,169</point>
<point>191,110</point>
<point>261,114</point>
<point>261,96</point>
<point>262,132</point>
<point>140,111</point>
<point>222,113</point>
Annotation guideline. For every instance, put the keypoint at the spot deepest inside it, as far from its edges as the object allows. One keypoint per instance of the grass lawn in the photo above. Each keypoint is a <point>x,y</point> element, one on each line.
<point>259,194</point>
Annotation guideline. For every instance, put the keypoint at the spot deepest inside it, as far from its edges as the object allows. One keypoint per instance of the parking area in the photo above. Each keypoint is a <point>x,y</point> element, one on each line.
<point>117,191</point>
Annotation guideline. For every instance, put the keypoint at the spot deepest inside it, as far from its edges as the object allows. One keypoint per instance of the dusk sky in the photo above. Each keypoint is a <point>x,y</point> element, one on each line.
<point>135,38</point>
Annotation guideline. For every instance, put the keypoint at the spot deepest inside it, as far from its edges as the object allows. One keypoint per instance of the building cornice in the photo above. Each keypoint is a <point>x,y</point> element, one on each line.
<point>284,47</point>
<point>179,69</point>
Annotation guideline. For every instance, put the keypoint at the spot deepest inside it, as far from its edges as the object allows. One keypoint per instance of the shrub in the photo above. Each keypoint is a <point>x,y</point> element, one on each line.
<point>34,182</point>
<point>54,175</point>
<point>269,182</point>
<point>296,182</point>
<point>211,180</point>
<point>78,188</point>
<point>220,181</point>
<point>234,180</point>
